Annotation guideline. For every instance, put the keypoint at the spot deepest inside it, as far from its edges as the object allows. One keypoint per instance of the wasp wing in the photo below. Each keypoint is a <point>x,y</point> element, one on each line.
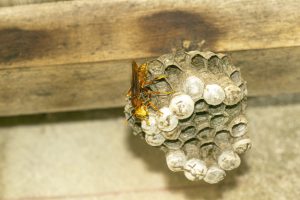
<point>135,87</point>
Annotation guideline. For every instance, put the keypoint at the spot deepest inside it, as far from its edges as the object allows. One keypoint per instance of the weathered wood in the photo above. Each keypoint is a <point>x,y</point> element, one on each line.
<point>94,31</point>
<point>100,85</point>
<point>5,3</point>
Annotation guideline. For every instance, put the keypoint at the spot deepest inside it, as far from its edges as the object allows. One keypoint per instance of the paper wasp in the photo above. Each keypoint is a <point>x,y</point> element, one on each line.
<point>140,92</point>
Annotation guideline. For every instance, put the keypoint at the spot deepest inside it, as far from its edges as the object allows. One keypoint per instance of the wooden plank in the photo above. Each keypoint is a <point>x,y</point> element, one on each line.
<point>94,31</point>
<point>5,3</point>
<point>101,85</point>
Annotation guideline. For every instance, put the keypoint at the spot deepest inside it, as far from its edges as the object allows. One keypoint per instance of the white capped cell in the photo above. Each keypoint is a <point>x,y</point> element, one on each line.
<point>166,120</point>
<point>233,94</point>
<point>242,145</point>
<point>213,94</point>
<point>173,134</point>
<point>195,169</point>
<point>149,125</point>
<point>182,106</point>
<point>214,175</point>
<point>194,87</point>
<point>155,139</point>
<point>175,160</point>
<point>229,160</point>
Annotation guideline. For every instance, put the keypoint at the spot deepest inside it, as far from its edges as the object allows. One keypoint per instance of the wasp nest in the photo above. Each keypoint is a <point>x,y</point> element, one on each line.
<point>201,126</point>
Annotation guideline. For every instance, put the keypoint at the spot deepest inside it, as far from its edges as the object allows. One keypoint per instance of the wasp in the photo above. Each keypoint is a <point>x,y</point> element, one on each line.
<point>140,93</point>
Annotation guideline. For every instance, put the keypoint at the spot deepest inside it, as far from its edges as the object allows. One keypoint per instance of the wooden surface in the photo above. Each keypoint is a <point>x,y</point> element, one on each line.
<point>76,55</point>
<point>92,31</point>
<point>6,3</point>
<point>104,84</point>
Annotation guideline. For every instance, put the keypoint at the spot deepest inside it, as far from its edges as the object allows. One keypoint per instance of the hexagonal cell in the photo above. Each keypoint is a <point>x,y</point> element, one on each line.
<point>128,115</point>
<point>180,57</point>
<point>233,110</point>
<point>136,127</point>
<point>172,135</point>
<point>193,86</point>
<point>244,104</point>
<point>201,120</point>
<point>198,61</point>
<point>188,133</point>
<point>205,134</point>
<point>191,142</point>
<point>216,110</point>
<point>233,94</point>
<point>167,59</point>
<point>173,144</point>
<point>161,86</point>
<point>130,119</point>
<point>173,73</point>
<point>213,94</point>
<point>214,65</point>
<point>218,121</point>
<point>188,121</point>
<point>241,144</point>
<point>243,88</point>
<point>160,101</point>
<point>238,126</point>
<point>239,129</point>
<point>176,160</point>
<point>156,68</point>
<point>236,77</point>
<point>222,137</point>
<point>223,134</point>
<point>201,106</point>
<point>207,54</point>
<point>229,160</point>
<point>207,149</point>
<point>226,60</point>
<point>221,56</point>
<point>155,139</point>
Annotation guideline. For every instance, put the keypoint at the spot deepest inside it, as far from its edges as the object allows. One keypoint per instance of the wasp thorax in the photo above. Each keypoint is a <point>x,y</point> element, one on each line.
<point>192,106</point>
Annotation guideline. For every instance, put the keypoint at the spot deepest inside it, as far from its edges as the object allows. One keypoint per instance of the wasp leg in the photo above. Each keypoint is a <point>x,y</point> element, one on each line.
<point>129,93</point>
<point>154,80</point>
<point>150,104</point>
<point>161,93</point>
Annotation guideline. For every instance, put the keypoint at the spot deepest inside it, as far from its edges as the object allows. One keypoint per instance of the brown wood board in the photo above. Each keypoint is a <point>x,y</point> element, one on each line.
<point>96,31</point>
<point>83,86</point>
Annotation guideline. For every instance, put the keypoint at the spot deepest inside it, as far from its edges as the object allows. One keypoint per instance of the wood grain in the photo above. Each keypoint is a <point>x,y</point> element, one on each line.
<point>95,31</point>
<point>6,3</point>
<point>69,87</point>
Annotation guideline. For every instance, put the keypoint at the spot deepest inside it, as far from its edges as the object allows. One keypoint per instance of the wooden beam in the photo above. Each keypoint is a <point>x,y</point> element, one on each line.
<point>69,87</point>
<point>6,3</point>
<point>97,31</point>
